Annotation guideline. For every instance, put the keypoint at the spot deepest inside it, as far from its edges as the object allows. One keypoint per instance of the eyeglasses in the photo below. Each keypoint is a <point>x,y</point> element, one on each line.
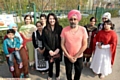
<point>73,19</point>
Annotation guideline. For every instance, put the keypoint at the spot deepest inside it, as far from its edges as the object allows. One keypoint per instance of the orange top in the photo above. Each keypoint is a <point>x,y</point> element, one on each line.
<point>73,41</point>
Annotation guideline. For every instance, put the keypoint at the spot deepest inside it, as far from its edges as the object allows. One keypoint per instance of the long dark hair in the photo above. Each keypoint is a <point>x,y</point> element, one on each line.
<point>56,20</point>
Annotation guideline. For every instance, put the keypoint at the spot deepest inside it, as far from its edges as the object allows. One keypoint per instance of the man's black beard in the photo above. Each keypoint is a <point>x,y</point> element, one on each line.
<point>72,25</point>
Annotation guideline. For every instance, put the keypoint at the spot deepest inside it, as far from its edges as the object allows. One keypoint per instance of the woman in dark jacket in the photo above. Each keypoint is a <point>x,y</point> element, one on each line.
<point>37,39</point>
<point>51,36</point>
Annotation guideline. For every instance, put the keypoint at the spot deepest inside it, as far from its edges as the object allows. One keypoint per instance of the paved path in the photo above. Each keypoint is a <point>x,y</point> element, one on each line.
<point>87,74</point>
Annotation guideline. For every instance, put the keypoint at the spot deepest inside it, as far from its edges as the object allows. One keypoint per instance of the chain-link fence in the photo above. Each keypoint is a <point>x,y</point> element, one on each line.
<point>20,8</point>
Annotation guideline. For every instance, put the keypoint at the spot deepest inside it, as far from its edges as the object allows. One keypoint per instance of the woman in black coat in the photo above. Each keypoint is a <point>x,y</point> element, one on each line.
<point>51,39</point>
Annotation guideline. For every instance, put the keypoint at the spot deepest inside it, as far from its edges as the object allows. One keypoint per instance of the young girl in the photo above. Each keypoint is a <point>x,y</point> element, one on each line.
<point>37,39</point>
<point>104,46</point>
<point>106,16</point>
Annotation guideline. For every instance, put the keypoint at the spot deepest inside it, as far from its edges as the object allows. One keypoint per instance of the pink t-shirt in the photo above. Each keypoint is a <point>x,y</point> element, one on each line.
<point>73,41</point>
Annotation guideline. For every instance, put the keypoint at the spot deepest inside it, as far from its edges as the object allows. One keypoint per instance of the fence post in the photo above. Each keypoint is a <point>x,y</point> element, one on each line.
<point>99,13</point>
<point>78,8</point>
<point>34,9</point>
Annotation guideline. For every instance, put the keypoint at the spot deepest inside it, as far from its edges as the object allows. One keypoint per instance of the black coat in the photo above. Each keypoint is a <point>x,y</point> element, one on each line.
<point>52,40</point>
<point>37,38</point>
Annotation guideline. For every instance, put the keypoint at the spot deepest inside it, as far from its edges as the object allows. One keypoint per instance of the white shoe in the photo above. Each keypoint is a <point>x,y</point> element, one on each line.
<point>11,68</point>
<point>42,73</point>
<point>49,78</point>
<point>102,76</point>
<point>20,65</point>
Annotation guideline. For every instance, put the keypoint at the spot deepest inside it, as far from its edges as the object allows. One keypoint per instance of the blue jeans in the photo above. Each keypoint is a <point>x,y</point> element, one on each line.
<point>15,54</point>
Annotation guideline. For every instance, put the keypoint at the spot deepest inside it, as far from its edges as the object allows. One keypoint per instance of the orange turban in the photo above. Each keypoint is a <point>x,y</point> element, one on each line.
<point>75,13</point>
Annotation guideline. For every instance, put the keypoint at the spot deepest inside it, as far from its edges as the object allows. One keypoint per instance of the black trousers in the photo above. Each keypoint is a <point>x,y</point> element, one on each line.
<point>87,59</point>
<point>57,66</point>
<point>77,67</point>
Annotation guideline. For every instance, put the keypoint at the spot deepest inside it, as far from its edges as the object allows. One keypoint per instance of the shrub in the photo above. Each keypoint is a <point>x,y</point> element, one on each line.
<point>85,20</point>
<point>114,12</point>
<point>63,22</point>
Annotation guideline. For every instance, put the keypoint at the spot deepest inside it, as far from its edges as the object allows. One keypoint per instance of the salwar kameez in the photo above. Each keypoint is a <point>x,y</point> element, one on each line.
<point>103,58</point>
<point>101,62</point>
<point>26,31</point>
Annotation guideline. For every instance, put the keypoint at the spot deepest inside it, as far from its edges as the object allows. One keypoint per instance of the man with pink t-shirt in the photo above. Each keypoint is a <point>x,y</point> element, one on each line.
<point>73,43</point>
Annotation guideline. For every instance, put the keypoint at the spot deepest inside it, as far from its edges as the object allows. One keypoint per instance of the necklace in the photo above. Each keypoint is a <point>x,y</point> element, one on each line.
<point>74,31</point>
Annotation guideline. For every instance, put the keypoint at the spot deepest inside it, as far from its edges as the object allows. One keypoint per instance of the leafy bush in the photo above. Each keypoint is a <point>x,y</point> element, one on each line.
<point>63,22</point>
<point>114,12</point>
<point>85,20</point>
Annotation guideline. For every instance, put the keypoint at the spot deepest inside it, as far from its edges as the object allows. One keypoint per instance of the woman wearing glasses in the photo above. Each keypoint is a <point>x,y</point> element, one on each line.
<point>106,16</point>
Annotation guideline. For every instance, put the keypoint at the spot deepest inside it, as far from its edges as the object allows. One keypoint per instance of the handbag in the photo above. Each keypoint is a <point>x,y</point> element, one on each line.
<point>55,57</point>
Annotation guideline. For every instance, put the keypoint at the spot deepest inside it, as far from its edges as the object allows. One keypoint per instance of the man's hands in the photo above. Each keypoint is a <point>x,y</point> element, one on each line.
<point>72,59</point>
